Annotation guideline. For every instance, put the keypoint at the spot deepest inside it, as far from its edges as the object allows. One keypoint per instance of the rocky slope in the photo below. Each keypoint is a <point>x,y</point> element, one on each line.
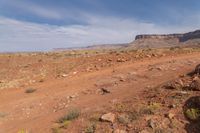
<point>166,40</point>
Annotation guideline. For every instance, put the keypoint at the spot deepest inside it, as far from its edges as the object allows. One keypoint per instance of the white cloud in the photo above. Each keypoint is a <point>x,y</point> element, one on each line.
<point>47,13</point>
<point>38,10</point>
<point>19,35</point>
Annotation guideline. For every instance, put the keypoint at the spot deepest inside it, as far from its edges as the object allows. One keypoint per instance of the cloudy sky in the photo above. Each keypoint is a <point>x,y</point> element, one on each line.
<point>35,25</point>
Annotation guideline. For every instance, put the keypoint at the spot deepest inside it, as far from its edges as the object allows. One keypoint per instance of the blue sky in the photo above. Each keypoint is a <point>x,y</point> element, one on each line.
<point>32,25</point>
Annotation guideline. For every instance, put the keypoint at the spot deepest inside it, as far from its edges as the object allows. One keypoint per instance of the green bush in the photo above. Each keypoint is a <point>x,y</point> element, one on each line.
<point>192,113</point>
<point>65,124</point>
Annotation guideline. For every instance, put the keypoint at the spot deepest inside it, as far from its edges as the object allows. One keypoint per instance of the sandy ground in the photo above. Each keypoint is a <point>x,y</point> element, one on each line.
<point>60,86</point>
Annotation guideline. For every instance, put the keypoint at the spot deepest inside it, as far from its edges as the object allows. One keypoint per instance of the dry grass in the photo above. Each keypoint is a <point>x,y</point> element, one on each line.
<point>71,115</point>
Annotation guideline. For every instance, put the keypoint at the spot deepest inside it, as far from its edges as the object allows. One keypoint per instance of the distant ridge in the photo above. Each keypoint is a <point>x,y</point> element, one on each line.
<point>100,46</point>
<point>189,39</point>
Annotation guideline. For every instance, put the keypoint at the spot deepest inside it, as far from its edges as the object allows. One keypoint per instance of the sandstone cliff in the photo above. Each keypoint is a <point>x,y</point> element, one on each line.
<point>166,40</point>
<point>155,36</point>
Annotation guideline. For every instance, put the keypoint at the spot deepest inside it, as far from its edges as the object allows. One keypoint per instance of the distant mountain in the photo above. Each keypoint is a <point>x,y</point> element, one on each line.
<point>100,46</point>
<point>166,40</point>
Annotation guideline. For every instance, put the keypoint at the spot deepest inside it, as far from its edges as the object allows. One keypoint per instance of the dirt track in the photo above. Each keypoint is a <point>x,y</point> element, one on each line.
<point>38,111</point>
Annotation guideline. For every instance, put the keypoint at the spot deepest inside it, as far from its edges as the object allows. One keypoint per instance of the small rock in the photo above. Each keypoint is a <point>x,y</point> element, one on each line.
<point>159,68</point>
<point>120,60</point>
<point>154,55</point>
<point>89,69</point>
<point>144,131</point>
<point>132,73</point>
<point>173,69</point>
<point>75,73</point>
<point>109,117</point>
<point>165,123</point>
<point>195,78</point>
<point>152,124</point>
<point>174,85</point>
<point>64,75</point>
<point>122,80</point>
<point>170,115</point>
<point>149,56</point>
<point>195,85</point>
<point>1,81</point>
<point>182,75</point>
<point>104,91</point>
<point>172,106</point>
<point>197,70</point>
<point>119,131</point>
<point>129,125</point>
<point>180,82</point>
<point>99,59</point>
<point>114,126</point>
<point>183,92</point>
<point>73,96</point>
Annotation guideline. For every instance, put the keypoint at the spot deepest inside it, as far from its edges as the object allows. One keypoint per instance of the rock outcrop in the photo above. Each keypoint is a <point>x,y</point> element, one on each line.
<point>179,37</point>
<point>190,35</point>
<point>155,36</point>
<point>167,40</point>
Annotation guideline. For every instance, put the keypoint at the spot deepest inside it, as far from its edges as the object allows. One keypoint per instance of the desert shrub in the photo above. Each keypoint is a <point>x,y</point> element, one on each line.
<point>90,128</point>
<point>123,119</point>
<point>56,130</point>
<point>120,107</point>
<point>95,117</point>
<point>192,113</point>
<point>65,124</point>
<point>128,117</point>
<point>133,115</point>
<point>191,108</point>
<point>30,90</point>
<point>159,130</point>
<point>146,111</point>
<point>154,106</point>
<point>150,109</point>
<point>71,115</point>
<point>174,48</point>
<point>22,131</point>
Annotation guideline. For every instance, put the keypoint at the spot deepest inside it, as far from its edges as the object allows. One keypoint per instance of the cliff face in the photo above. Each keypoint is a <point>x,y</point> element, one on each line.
<point>154,36</point>
<point>166,40</point>
<point>180,37</point>
<point>190,35</point>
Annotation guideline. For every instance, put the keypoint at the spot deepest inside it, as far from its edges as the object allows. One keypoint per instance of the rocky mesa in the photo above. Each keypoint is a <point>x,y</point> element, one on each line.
<point>166,40</point>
